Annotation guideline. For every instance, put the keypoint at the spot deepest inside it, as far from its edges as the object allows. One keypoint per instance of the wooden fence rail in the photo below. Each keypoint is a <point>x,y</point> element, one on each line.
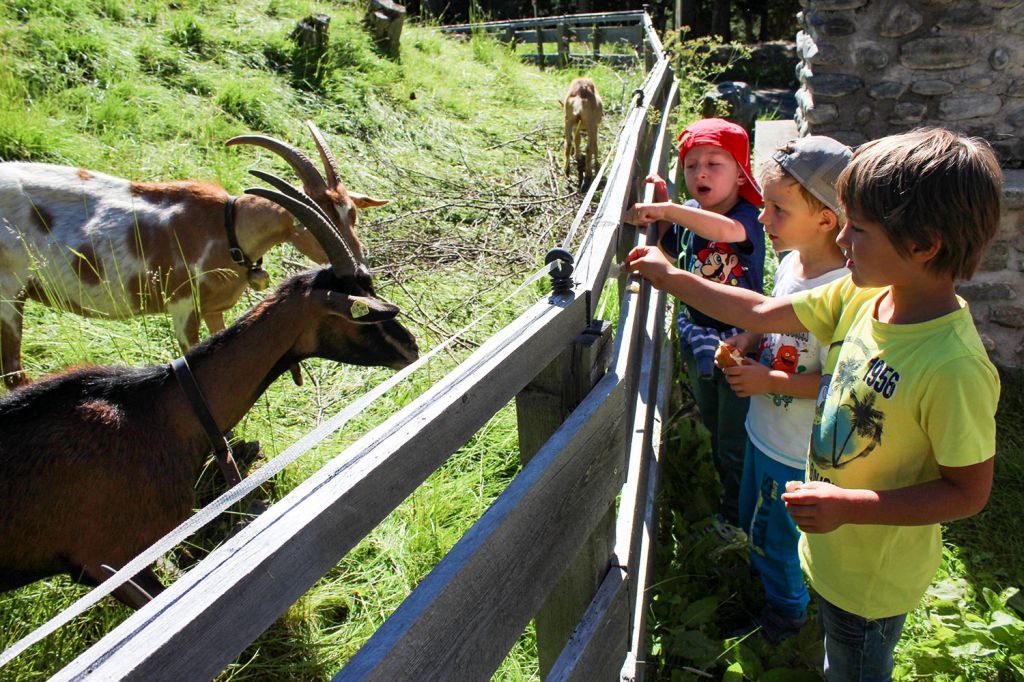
<point>629,28</point>
<point>465,616</point>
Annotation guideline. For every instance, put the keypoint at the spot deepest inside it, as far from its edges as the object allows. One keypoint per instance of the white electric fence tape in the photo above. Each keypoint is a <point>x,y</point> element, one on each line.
<point>255,479</point>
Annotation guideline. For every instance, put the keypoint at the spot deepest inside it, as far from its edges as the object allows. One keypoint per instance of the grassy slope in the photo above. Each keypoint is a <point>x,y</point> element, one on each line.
<point>457,134</point>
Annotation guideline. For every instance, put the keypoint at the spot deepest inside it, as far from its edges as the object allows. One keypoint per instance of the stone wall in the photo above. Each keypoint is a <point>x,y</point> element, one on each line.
<point>996,293</point>
<point>870,68</point>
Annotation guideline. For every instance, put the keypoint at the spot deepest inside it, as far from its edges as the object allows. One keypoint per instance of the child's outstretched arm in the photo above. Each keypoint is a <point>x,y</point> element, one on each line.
<point>818,507</point>
<point>733,305</point>
<point>708,224</point>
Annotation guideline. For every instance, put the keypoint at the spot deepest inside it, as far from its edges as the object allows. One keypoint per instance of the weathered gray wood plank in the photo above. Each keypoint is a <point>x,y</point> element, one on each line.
<point>652,303</point>
<point>596,649</point>
<point>636,660</point>
<point>541,408</point>
<point>467,613</point>
<point>211,614</point>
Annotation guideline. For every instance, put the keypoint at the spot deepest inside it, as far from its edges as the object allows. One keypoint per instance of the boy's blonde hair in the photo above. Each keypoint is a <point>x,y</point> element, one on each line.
<point>925,185</point>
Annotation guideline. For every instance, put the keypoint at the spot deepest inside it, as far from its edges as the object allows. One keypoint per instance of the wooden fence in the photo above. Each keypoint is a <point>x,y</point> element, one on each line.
<point>588,32</point>
<point>568,542</point>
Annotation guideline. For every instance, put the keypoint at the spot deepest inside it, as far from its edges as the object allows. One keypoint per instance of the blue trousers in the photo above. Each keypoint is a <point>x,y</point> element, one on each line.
<point>858,649</point>
<point>772,535</point>
<point>724,415</point>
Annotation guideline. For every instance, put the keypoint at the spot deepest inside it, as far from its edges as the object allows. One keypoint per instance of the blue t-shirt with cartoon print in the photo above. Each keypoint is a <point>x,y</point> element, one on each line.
<point>738,264</point>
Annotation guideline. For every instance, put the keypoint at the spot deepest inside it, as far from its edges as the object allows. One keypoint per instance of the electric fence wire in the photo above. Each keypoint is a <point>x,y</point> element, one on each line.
<point>257,478</point>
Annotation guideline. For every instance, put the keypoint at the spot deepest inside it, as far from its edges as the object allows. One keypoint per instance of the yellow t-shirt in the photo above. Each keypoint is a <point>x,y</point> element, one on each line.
<point>896,401</point>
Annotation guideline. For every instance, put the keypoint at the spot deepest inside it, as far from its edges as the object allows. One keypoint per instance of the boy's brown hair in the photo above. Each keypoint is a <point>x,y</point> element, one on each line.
<point>925,185</point>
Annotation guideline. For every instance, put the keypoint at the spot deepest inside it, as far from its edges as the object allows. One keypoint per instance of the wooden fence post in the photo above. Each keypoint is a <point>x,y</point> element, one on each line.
<point>540,409</point>
<point>649,56</point>
<point>311,36</point>
<point>596,35</point>
<point>563,45</point>
<point>385,19</point>
<point>540,47</point>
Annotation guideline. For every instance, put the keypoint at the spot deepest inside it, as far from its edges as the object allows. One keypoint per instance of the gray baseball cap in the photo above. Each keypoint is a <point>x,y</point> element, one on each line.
<point>816,162</point>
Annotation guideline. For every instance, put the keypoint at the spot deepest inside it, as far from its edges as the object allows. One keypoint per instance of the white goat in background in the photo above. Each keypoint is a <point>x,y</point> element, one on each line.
<point>103,246</point>
<point>583,114</point>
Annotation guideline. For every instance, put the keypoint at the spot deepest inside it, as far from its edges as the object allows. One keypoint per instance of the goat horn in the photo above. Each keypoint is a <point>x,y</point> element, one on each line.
<point>331,168</point>
<point>287,188</point>
<point>325,155</point>
<point>343,230</point>
<point>312,181</point>
<point>343,263</point>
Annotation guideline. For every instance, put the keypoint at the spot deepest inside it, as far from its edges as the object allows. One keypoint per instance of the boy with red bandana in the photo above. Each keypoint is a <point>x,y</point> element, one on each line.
<point>716,236</point>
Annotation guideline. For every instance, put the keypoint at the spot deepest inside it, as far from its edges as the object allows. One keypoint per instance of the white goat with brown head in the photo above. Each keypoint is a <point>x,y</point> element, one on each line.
<point>107,247</point>
<point>583,113</point>
<point>97,463</point>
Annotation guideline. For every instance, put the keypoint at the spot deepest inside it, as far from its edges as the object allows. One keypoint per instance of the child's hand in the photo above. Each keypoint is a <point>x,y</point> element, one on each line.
<point>744,342</point>
<point>660,186</point>
<point>749,378</point>
<point>642,214</point>
<point>817,507</point>
<point>650,263</point>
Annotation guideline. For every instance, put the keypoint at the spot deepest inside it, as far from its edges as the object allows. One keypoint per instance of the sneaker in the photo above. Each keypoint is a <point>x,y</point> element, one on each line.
<point>728,536</point>
<point>772,626</point>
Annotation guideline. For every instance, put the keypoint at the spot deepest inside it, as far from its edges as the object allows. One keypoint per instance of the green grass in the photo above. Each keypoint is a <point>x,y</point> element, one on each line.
<point>460,136</point>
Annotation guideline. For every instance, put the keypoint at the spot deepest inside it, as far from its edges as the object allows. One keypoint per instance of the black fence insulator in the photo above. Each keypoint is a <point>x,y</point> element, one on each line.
<point>561,274</point>
<point>639,94</point>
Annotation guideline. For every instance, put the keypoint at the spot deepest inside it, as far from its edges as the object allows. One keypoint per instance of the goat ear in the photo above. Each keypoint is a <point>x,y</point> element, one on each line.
<point>363,201</point>
<point>362,309</point>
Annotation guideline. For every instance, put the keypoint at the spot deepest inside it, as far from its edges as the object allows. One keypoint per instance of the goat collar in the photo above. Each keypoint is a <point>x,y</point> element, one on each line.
<point>221,448</point>
<point>237,255</point>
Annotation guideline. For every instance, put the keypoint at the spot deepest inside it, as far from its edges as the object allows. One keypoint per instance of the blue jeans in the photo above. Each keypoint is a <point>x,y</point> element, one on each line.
<point>772,533</point>
<point>857,649</point>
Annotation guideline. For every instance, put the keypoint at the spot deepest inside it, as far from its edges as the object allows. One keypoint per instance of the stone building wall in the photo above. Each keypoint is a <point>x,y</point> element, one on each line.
<point>996,292</point>
<point>870,68</point>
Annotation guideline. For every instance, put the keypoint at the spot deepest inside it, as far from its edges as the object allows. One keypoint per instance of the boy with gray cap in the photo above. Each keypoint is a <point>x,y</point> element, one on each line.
<point>801,217</point>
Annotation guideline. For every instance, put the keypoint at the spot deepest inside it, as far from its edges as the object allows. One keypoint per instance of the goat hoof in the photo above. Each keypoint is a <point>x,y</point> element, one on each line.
<point>257,507</point>
<point>246,452</point>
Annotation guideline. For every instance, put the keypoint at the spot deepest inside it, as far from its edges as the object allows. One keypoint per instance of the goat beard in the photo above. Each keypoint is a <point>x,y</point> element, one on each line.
<point>296,371</point>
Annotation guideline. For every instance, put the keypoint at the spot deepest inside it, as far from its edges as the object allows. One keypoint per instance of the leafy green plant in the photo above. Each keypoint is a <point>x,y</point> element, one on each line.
<point>694,64</point>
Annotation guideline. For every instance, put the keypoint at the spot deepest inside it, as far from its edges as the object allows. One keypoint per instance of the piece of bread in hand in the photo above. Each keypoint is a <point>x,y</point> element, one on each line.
<point>727,356</point>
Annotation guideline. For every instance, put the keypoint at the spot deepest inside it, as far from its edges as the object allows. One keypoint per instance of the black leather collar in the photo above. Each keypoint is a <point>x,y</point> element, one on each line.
<point>237,255</point>
<point>221,448</point>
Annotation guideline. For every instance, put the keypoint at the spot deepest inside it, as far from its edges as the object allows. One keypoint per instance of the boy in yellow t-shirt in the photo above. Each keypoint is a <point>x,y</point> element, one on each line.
<point>904,432</point>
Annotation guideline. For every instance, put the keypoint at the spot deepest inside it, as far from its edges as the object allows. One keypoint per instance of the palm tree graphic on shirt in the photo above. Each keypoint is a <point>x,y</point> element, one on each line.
<point>854,415</point>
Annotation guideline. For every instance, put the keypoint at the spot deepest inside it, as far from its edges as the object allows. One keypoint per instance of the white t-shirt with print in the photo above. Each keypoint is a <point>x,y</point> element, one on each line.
<point>780,425</point>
